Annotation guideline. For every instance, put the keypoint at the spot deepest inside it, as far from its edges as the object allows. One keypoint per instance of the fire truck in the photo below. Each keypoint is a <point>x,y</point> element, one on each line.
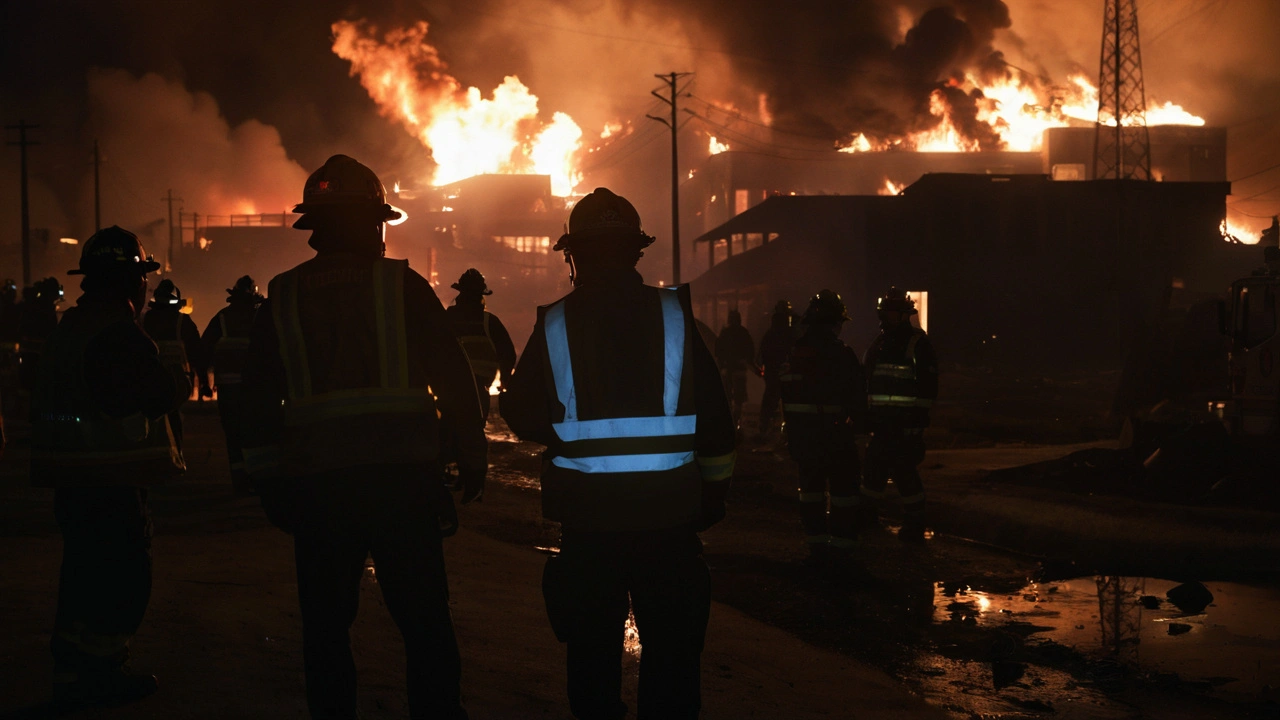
<point>1249,320</point>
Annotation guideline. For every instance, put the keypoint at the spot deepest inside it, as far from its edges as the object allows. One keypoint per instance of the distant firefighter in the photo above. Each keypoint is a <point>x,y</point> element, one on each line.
<point>640,449</point>
<point>100,437</point>
<point>177,336</point>
<point>37,317</point>
<point>824,403</point>
<point>735,352</point>
<point>902,384</point>
<point>775,347</point>
<point>341,439</point>
<point>223,347</point>
<point>481,334</point>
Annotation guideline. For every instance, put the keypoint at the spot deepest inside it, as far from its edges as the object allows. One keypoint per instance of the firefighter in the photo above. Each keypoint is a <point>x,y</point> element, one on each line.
<point>10,335</point>
<point>222,347</point>
<point>177,336</point>
<point>824,404</point>
<point>640,448</point>
<point>902,383</point>
<point>341,439</point>
<point>735,352</point>
<point>37,317</point>
<point>481,334</point>
<point>100,438</point>
<point>775,346</point>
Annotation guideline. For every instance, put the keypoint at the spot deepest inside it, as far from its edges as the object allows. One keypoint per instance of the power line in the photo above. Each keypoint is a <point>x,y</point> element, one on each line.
<point>1250,175</point>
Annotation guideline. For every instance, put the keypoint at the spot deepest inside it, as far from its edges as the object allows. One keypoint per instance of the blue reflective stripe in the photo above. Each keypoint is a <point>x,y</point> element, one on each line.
<point>655,462</point>
<point>561,363</point>
<point>666,425</point>
<point>673,334</point>
<point>610,428</point>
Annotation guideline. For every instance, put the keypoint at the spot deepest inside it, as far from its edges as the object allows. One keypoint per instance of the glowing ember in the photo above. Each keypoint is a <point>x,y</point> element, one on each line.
<point>466,133</point>
<point>610,129</point>
<point>716,147</point>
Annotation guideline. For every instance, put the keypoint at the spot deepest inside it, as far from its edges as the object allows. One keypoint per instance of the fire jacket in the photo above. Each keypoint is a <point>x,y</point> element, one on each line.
<point>225,342</point>
<point>902,378</point>
<point>775,347</point>
<point>823,396</point>
<point>352,363</point>
<point>100,405</point>
<point>485,340</point>
<point>630,406</point>
<point>176,335</point>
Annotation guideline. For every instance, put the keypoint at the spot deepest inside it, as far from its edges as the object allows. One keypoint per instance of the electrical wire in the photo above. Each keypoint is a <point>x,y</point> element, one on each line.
<point>1260,172</point>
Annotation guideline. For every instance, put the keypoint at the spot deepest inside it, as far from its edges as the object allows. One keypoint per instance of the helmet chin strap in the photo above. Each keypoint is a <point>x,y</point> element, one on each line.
<point>573,269</point>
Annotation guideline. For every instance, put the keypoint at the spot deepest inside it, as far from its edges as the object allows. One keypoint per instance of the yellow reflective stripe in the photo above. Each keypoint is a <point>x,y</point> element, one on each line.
<point>845,500</point>
<point>811,408</point>
<point>98,457</point>
<point>817,539</point>
<point>388,292</point>
<point>903,372</point>
<point>910,499</point>
<point>790,377</point>
<point>715,469</point>
<point>899,401</point>
<point>868,492</point>
<point>843,543</point>
<point>293,347</point>
<point>357,401</point>
<point>812,497</point>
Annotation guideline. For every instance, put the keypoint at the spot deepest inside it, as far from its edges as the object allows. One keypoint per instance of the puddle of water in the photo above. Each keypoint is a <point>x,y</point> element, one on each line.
<point>1234,644</point>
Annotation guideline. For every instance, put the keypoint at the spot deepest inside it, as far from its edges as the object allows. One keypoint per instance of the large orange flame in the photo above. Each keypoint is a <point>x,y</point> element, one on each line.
<point>467,134</point>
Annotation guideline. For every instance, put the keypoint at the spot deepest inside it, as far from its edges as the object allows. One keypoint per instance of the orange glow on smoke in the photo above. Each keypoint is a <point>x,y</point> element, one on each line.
<point>468,134</point>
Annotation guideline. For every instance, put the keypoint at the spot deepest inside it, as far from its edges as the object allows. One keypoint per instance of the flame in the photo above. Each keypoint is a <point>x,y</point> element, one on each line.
<point>610,129</point>
<point>890,188</point>
<point>716,147</point>
<point>467,134</point>
<point>1019,112</point>
<point>1231,232</point>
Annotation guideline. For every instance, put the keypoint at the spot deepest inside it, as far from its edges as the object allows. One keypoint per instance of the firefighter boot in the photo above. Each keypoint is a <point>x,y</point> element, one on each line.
<point>100,688</point>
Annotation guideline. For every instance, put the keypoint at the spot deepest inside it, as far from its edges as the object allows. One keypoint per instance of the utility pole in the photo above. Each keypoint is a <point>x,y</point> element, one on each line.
<point>672,80</point>
<point>1122,152</point>
<point>22,127</point>
<point>169,198</point>
<point>97,197</point>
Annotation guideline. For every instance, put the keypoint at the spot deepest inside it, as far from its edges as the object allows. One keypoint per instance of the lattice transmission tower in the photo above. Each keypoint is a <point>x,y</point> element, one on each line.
<point>1122,144</point>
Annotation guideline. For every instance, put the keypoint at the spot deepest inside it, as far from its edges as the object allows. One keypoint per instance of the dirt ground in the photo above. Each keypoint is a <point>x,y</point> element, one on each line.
<point>223,636</point>
<point>892,637</point>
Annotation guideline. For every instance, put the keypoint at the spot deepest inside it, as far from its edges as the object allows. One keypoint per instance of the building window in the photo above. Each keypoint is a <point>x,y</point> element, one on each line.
<point>754,240</point>
<point>525,243</point>
<point>719,251</point>
<point>741,201</point>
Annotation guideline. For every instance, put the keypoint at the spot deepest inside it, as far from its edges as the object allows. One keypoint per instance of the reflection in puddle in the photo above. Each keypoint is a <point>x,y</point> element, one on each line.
<point>631,636</point>
<point>1234,644</point>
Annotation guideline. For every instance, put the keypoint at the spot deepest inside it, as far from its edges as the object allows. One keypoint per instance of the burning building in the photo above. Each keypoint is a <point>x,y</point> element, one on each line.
<point>1012,267</point>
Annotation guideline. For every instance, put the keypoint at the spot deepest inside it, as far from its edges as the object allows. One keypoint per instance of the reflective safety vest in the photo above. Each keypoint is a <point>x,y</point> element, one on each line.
<point>228,354</point>
<point>73,443</point>
<point>173,352</point>
<point>894,384</point>
<point>623,444</point>
<point>481,352</point>
<point>392,422</point>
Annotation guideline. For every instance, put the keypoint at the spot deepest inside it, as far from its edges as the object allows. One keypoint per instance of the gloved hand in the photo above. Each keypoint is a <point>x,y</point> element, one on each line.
<point>280,503</point>
<point>472,484</point>
<point>206,391</point>
<point>446,512</point>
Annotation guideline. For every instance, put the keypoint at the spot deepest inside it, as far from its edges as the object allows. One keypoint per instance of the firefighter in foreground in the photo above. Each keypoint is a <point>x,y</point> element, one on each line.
<point>223,346</point>
<point>735,352</point>
<point>902,383</point>
<point>177,336</point>
<point>824,403</point>
<point>341,439</point>
<point>486,341</point>
<point>775,346</point>
<point>640,449</point>
<point>101,437</point>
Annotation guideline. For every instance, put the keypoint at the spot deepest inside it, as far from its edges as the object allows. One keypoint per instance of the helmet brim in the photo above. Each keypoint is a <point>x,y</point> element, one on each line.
<point>144,266</point>
<point>308,212</point>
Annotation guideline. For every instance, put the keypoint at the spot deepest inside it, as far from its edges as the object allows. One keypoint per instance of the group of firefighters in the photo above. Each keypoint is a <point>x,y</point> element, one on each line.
<point>345,392</point>
<point>850,426</point>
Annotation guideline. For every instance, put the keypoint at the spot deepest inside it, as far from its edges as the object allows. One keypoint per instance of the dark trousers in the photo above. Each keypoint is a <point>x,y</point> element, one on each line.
<point>383,512</point>
<point>105,582</point>
<point>230,404</point>
<point>662,577</point>
<point>835,474</point>
<point>769,402</point>
<point>482,387</point>
<point>895,454</point>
